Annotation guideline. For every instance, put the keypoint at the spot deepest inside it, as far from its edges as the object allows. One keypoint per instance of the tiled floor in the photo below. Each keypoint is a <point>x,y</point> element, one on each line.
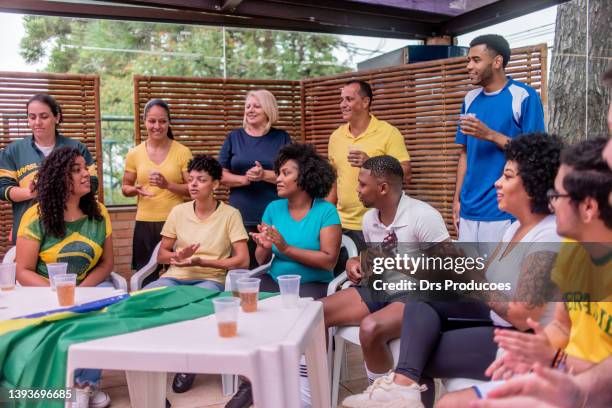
<point>206,391</point>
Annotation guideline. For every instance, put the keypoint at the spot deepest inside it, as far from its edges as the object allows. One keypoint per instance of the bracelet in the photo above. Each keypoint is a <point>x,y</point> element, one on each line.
<point>553,363</point>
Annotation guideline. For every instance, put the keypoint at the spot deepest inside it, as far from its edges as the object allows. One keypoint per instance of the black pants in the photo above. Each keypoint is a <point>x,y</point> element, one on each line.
<point>146,237</point>
<point>252,246</point>
<point>430,348</point>
<point>315,290</point>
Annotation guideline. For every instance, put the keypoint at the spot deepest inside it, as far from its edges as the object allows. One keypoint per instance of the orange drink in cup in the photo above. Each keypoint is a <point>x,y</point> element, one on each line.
<point>65,286</point>
<point>249,291</point>
<point>226,312</point>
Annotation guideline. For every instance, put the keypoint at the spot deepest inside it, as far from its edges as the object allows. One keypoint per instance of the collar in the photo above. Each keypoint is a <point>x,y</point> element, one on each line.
<point>399,220</point>
<point>371,127</point>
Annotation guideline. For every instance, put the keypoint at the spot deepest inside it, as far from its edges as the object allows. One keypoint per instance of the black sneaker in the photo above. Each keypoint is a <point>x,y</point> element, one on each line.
<point>182,382</point>
<point>243,398</point>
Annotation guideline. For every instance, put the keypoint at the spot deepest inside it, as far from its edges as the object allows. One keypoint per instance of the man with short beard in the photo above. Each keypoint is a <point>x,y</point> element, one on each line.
<point>492,114</point>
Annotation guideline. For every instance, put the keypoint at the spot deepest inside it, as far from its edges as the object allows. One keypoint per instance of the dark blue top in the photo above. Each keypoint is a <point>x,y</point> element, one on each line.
<point>238,154</point>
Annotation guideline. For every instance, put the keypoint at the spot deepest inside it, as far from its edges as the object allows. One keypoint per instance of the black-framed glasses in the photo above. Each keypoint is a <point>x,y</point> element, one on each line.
<point>553,194</point>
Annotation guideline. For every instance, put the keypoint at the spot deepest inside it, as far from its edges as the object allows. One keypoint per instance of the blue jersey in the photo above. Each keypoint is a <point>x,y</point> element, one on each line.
<point>512,111</point>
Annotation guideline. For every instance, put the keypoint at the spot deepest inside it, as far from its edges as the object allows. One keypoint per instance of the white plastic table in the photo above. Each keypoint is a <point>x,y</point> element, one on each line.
<point>25,300</point>
<point>267,350</point>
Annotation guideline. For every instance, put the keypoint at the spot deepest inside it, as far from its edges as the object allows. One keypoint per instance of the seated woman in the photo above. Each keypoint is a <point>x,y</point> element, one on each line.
<point>429,350</point>
<point>302,230</point>
<point>67,225</point>
<point>203,238</point>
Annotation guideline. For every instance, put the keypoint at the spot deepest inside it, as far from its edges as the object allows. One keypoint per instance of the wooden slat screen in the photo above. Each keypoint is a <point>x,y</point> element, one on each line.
<point>423,101</point>
<point>205,110</point>
<point>78,95</point>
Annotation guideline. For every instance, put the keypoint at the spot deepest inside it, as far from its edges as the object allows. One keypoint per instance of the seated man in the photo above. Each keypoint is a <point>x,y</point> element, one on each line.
<point>393,215</point>
<point>580,335</point>
<point>201,240</point>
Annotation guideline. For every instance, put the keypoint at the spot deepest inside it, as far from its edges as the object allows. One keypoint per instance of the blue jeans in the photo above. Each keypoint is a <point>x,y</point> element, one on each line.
<point>202,283</point>
<point>88,376</point>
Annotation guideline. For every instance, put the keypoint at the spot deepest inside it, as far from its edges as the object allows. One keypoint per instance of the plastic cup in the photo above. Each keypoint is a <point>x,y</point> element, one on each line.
<point>233,276</point>
<point>289,289</point>
<point>248,289</point>
<point>7,276</point>
<point>56,268</point>
<point>226,312</point>
<point>65,285</point>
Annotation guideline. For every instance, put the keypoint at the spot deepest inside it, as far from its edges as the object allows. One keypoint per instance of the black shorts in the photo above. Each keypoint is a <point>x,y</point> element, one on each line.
<point>373,303</point>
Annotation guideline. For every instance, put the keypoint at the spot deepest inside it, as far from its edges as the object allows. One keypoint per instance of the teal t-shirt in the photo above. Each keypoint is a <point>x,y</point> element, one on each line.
<point>303,234</point>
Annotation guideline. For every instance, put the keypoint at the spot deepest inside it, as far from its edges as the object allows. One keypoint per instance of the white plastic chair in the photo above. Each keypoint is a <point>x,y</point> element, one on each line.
<point>119,281</point>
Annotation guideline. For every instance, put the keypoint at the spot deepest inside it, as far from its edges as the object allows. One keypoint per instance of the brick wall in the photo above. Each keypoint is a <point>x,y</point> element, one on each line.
<point>122,219</point>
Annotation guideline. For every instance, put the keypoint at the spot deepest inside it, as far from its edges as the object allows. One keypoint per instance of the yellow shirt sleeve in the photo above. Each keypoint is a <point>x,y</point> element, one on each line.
<point>130,162</point>
<point>396,146</point>
<point>187,156</point>
<point>235,228</point>
<point>29,227</point>
<point>107,222</point>
<point>169,228</point>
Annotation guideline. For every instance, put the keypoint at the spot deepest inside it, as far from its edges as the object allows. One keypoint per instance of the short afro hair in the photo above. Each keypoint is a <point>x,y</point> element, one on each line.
<point>494,43</point>
<point>316,176</point>
<point>387,168</point>
<point>590,176</point>
<point>204,162</point>
<point>537,156</point>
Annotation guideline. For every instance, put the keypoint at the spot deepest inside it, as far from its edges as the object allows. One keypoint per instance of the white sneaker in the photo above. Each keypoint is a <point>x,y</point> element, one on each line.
<point>384,393</point>
<point>99,399</point>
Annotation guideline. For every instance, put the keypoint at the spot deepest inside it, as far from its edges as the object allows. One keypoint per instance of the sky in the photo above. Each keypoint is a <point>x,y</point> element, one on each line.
<point>531,29</point>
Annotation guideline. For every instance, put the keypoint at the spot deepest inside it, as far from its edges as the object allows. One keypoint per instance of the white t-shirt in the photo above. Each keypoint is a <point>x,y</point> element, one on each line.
<point>45,150</point>
<point>543,238</point>
<point>415,221</point>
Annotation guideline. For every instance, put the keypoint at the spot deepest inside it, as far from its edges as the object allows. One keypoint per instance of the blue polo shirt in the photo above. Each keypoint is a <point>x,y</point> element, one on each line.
<point>304,234</point>
<point>512,111</point>
<point>238,154</point>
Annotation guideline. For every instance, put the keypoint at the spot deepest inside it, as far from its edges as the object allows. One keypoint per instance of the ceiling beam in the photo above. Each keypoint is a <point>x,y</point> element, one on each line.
<point>493,13</point>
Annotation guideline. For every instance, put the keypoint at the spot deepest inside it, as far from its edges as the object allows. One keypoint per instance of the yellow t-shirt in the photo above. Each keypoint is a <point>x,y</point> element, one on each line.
<point>379,138</point>
<point>215,235</point>
<point>137,161</point>
<point>580,280</point>
<point>81,247</point>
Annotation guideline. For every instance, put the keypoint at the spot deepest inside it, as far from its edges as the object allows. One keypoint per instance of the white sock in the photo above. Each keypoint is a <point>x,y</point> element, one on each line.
<point>373,376</point>
<point>304,384</point>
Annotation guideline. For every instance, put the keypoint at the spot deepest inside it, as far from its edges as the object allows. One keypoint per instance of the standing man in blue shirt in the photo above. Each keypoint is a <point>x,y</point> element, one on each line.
<point>499,110</point>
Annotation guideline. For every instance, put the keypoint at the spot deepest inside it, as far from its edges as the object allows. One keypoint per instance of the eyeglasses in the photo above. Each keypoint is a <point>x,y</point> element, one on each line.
<point>553,194</point>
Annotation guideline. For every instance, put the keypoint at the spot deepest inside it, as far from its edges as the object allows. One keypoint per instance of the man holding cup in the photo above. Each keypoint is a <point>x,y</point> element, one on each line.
<point>492,114</point>
<point>362,137</point>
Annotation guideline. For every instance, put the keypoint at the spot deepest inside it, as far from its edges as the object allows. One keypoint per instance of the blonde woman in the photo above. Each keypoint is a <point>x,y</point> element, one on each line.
<point>247,157</point>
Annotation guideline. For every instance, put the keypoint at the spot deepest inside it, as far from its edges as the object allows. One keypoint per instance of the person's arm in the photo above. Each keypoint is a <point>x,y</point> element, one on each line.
<point>407,171</point>
<point>103,269</point>
<point>129,187</point>
<point>26,259</point>
<point>159,180</point>
<point>263,251</point>
<point>325,258</point>
<point>473,126</point>
<point>332,197</point>
<point>166,250</point>
<point>258,173</point>
<point>234,180</point>
<point>595,382</point>
<point>238,260</point>
<point>9,185</point>
<point>461,169</point>
<point>533,292</point>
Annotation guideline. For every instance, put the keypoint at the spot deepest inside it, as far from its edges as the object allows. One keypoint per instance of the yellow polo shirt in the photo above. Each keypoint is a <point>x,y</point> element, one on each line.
<point>379,138</point>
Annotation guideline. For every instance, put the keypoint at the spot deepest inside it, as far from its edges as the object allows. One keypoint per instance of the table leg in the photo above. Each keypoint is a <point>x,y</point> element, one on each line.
<point>267,380</point>
<point>318,373</point>
<point>147,389</point>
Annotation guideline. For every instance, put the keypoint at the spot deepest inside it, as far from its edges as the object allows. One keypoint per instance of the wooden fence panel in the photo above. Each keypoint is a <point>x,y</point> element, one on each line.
<point>423,101</point>
<point>78,95</point>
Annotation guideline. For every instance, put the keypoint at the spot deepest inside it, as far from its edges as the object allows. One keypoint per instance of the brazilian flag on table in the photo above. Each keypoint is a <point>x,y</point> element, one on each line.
<point>34,350</point>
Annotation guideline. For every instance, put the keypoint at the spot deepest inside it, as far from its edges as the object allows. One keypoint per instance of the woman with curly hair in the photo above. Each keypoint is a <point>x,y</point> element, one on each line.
<point>20,160</point>
<point>66,225</point>
<point>301,229</point>
<point>524,259</point>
